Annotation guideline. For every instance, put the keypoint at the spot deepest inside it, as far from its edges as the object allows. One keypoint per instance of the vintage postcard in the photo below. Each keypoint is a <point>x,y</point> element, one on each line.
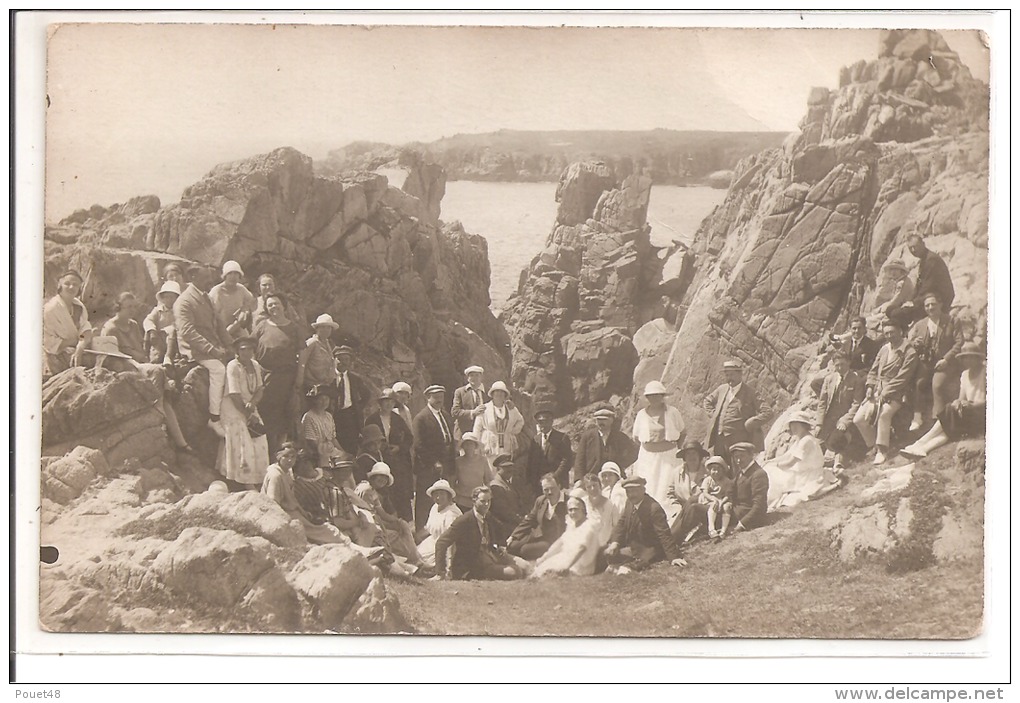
<point>670,332</point>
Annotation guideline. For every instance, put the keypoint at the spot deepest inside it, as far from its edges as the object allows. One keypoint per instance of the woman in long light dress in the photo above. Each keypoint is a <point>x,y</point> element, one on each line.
<point>576,550</point>
<point>659,430</point>
<point>799,473</point>
<point>243,458</point>
<point>441,516</point>
<point>499,424</point>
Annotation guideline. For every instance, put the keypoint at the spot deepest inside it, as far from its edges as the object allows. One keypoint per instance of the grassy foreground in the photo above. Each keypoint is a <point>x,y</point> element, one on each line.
<point>782,580</point>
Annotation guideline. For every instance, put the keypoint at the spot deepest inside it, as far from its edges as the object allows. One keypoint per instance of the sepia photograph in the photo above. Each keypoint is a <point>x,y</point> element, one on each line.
<point>573,331</point>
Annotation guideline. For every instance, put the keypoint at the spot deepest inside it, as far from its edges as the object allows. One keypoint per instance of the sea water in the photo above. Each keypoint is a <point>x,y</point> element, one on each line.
<point>516,219</point>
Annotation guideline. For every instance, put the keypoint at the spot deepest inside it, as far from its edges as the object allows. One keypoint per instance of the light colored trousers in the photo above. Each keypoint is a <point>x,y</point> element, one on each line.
<point>217,380</point>
<point>881,434</point>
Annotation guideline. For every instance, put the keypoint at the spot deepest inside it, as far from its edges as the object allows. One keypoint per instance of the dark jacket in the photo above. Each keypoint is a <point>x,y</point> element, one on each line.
<point>862,354</point>
<point>466,535</point>
<point>591,455</point>
<point>536,524</point>
<point>505,511</point>
<point>751,496</point>
<point>462,407</point>
<point>840,398</point>
<point>728,418</point>
<point>557,459</point>
<point>944,345</point>
<point>429,446</point>
<point>647,527</point>
<point>933,277</point>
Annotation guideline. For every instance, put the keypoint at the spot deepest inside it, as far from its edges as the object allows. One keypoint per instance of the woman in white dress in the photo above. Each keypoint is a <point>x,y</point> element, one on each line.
<point>243,458</point>
<point>442,515</point>
<point>798,474</point>
<point>577,549</point>
<point>659,431</point>
<point>499,425</point>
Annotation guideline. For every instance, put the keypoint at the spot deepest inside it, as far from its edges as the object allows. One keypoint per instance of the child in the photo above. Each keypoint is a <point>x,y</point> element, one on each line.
<point>715,493</point>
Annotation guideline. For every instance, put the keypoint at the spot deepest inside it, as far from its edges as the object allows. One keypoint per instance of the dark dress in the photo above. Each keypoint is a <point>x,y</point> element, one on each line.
<point>276,349</point>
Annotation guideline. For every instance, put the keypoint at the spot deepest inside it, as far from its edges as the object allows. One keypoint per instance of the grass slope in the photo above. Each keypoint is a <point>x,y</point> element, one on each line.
<point>782,580</point>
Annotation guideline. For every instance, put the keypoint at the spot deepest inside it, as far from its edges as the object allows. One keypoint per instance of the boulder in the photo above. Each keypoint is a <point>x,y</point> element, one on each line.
<point>214,566</point>
<point>579,190</point>
<point>65,607</point>
<point>331,577</point>
<point>425,181</point>
<point>248,512</point>
<point>111,412</point>
<point>65,478</point>
<point>274,602</point>
<point>377,612</point>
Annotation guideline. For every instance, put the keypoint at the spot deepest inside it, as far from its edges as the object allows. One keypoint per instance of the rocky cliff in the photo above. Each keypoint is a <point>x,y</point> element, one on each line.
<point>901,147</point>
<point>410,293</point>
<point>579,304</point>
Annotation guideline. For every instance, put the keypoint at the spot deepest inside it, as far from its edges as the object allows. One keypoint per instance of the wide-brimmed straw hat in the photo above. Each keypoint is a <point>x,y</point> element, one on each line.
<point>971,349</point>
<point>611,467</point>
<point>692,446</point>
<point>325,319</point>
<point>381,468</point>
<point>802,417</point>
<point>441,485</point>
<point>655,388</point>
<point>106,346</point>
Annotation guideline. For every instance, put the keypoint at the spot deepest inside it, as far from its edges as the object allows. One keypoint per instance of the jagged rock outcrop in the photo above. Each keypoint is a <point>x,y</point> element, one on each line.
<point>794,250</point>
<point>111,412</point>
<point>411,294</point>
<point>582,299</point>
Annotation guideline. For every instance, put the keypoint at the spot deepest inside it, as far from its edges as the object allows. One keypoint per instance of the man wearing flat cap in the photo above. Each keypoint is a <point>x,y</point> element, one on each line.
<point>642,536</point>
<point>734,411</point>
<point>549,453</point>
<point>433,451</point>
<point>602,443</point>
<point>750,488</point>
<point>468,400</point>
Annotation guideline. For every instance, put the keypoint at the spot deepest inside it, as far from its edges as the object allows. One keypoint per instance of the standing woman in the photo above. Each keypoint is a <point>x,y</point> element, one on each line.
<point>499,424</point>
<point>277,342</point>
<point>66,329</point>
<point>316,365</point>
<point>659,431</point>
<point>244,454</point>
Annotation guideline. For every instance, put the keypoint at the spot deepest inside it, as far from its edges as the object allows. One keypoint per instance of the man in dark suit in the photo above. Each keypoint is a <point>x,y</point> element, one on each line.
<point>602,443</point>
<point>842,393</point>
<point>477,554</point>
<point>505,512</point>
<point>642,535</point>
<point>859,347</point>
<point>351,394</point>
<point>750,488</point>
<point>468,400</point>
<point>433,450</point>
<point>734,413</point>
<point>543,525</point>
<point>396,450</point>
<point>549,453</point>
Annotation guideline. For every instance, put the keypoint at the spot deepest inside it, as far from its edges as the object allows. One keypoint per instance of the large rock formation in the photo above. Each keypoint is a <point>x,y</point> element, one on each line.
<point>900,148</point>
<point>411,294</point>
<point>582,299</point>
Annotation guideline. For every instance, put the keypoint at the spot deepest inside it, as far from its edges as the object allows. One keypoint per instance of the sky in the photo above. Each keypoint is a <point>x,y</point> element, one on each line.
<point>150,108</point>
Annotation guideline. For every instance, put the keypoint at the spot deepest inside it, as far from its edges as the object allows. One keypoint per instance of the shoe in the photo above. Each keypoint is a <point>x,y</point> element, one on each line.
<point>217,427</point>
<point>915,426</point>
<point>879,458</point>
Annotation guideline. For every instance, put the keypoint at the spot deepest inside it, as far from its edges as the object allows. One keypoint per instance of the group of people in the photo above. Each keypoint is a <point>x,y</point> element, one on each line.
<point>461,490</point>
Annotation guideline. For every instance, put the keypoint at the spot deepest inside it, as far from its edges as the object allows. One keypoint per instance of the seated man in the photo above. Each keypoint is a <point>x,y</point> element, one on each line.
<point>750,488</point>
<point>839,400</point>
<point>505,513</point>
<point>476,555</point>
<point>543,525</point>
<point>642,535</point>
